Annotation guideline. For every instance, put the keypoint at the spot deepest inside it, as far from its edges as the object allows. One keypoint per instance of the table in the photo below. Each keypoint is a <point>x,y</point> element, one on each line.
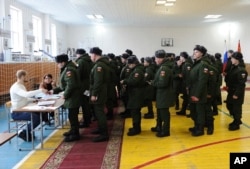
<point>34,108</point>
<point>4,137</point>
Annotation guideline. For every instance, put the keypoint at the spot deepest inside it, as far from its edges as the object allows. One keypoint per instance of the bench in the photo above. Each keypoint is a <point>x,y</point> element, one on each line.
<point>4,137</point>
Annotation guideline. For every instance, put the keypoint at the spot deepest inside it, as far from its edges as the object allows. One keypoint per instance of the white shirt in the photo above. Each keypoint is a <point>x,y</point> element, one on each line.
<point>20,96</point>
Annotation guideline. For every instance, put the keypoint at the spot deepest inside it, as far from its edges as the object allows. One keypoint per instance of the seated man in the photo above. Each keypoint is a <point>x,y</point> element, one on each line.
<point>20,97</point>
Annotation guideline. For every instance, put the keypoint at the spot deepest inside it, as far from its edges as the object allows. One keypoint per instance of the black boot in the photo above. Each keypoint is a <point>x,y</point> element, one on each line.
<point>74,135</point>
<point>135,130</point>
<point>210,127</point>
<point>199,131</point>
<point>149,115</point>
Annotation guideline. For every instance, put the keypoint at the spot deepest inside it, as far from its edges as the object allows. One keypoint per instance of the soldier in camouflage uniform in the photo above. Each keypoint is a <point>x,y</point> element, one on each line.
<point>198,81</point>
<point>165,97</point>
<point>98,92</point>
<point>84,66</point>
<point>236,79</point>
<point>70,85</point>
<point>135,87</point>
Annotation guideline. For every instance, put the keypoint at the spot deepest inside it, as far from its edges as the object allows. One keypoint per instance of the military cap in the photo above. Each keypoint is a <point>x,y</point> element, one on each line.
<point>217,55</point>
<point>237,55</point>
<point>62,58</point>
<point>125,56</point>
<point>148,59</point>
<point>111,55</point>
<point>96,50</point>
<point>80,51</point>
<point>160,53</point>
<point>129,52</point>
<point>132,59</point>
<point>200,48</point>
<point>184,54</point>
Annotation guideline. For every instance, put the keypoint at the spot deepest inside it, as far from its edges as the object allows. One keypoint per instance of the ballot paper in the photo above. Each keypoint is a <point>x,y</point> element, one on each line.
<point>45,103</point>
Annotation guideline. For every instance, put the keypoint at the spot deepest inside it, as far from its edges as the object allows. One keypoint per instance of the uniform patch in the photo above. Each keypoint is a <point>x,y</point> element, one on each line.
<point>136,74</point>
<point>188,68</point>
<point>243,75</point>
<point>68,73</point>
<point>163,73</point>
<point>99,69</point>
<point>205,70</point>
<point>146,74</point>
<point>211,72</point>
<point>127,70</point>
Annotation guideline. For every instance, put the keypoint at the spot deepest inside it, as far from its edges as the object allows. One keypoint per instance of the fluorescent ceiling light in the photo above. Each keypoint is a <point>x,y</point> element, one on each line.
<point>160,2</point>
<point>171,0</point>
<point>94,16</point>
<point>212,16</point>
<point>169,4</point>
<point>99,16</point>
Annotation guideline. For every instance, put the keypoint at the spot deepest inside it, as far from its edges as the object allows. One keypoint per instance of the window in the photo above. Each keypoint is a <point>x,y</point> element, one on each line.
<point>16,27</point>
<point>53,40</point>
<point>37,33</point>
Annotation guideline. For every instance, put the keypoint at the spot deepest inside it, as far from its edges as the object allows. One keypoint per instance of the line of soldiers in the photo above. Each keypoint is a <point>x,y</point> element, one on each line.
<point>93,81</point>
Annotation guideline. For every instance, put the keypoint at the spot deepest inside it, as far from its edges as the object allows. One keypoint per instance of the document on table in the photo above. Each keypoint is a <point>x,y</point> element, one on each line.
<point>45,103</point>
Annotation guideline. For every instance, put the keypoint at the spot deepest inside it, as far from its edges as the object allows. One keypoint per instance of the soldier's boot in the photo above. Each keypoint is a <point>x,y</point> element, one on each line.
<point>103,136</point>
<point>210,127</point>
<point>235,125</point>
<point>135,130</point>
<point>73,136</point>
<point>182,112</point>
<point>110,114</point>
<point>157,128</point>
<point>199,131</point>
<point>68,132</point>
<point>164,132</point>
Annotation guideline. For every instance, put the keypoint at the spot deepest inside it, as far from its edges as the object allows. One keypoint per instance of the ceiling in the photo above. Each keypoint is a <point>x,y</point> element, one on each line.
<point>142,12</point>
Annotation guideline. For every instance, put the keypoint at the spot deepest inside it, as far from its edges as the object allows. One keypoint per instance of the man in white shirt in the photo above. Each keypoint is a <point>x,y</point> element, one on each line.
<point>20,97</point>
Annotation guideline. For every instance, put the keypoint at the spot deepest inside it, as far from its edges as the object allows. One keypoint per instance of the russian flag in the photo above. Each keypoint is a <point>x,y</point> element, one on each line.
<point>225,58</point>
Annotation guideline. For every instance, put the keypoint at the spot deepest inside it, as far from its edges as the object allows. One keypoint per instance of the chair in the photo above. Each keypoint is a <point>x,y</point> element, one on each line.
<point>18,124</point>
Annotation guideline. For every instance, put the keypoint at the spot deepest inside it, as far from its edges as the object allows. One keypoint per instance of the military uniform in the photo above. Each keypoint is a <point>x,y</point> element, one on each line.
<point>186,68</point>
<point>236,79</point>
<point>135,89</point>
<point>98,87</point>
<point>165,97</point>
<point>84,66</point>
<point>150,94</point>
<point>198,81</point>
<point>69,83</point>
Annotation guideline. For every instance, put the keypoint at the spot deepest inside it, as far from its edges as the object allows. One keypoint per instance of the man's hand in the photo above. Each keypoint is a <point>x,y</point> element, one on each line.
<point>194,99</point>
<point>93,98</point>
<point>45,91</point>
<point>235,97</point>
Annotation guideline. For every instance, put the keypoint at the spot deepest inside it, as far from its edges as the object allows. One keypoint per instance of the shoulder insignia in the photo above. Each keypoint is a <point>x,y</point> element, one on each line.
<point>99,69</point>
<point>136,74</point>
<point>211,72</point>
<point>188,68</point>
<point>205,70</point>
<point>127,70</point>
<point>163,73</point>
<point>243,75</point>
<point>68,73</point>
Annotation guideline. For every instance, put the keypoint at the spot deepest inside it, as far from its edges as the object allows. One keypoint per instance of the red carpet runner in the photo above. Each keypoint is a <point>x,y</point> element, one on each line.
<point>88,155</point>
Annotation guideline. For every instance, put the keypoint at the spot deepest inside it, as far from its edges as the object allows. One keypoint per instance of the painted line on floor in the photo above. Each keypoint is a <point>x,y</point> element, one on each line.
<point>187,150</point>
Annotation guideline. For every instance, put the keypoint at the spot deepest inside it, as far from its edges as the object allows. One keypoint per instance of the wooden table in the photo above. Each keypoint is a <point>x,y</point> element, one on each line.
<point>4,137</point>
<point>34,108</point>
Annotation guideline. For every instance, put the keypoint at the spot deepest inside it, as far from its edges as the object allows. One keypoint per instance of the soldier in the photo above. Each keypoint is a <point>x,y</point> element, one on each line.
<point>236,79</point>
<point>135,87</point>
<point>84,66</point>
<point>69,84</point>
<point>150,94</point>
<point>98,92</point>
<point>186,67</point>
<point>177,80</point>
<point>125,72</point>
<point>198,81</point>
<point>163,82</point>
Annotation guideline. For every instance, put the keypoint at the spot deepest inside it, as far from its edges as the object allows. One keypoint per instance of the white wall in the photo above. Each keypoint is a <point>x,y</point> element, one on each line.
<point>145,41</point>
